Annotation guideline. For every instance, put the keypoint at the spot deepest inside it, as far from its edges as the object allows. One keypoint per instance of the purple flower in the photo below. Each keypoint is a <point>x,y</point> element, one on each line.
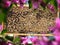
<point>29,40</point>
<point>35,40</point>
<point>45,39</point>
<point>51,7</point>
<point>23,39</point>
<point>2,41</point>
<point>57,30</point>
<point>36,3</point>
<point>43,4</point>
<point>57,23</point>
<point>57,38</point>
<point>54,43</point>
<point>52,29</point>
<point>22,2</point>
<point>58,1</point>
<point>15,1</point>
<point>25,42</point>
<point>7,4</point>
<point>43,42</point>
<point>9,43</point>
<point>57,35</point>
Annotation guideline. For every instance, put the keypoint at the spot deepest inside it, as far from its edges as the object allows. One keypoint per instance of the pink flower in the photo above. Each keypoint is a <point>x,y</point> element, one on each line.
<point>24,1</point>
<point>37,41</point>
<point>45,39</point>
<point>57,25</point>
<point>54,43</point>
<point>25,42</point>
<point>9,43</point>
<point>34,39</point>
<point>1,27</point>
<point>58,1</point>
<point>52,28</point>
<point>57,38</point>
<point>36,3</point>
<point>23,39</point>
<point>57,22</point>
<point>15,1</point>
<point>7,4</point>
<point>56,32</point>
<point>51,7</point>
<point>57,35</point>
<point>43,42</point>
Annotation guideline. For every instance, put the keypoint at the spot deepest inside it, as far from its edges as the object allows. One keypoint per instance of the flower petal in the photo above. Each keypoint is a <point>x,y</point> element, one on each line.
<point>51,7</point>
<point>1,27</point>
<point>57,22</point>
<point>7,4</point>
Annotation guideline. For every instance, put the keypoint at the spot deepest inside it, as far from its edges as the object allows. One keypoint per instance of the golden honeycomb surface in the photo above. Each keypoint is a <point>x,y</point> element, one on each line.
<point>29,20</point>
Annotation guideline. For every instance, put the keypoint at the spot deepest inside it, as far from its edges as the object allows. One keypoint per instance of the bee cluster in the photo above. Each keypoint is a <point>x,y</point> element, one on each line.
<point>29,20</point>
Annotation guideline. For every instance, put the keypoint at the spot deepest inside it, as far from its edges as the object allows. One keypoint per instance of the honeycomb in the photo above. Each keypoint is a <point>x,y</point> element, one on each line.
<point>29,20</point>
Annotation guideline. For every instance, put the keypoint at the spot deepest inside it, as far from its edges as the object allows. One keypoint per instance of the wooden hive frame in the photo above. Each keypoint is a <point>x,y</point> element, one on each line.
<point>17,34</point>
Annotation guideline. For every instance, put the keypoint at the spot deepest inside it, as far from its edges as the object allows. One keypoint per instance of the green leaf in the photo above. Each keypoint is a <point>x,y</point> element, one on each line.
<point>5,11</point>
<point>4,31</point>
<point>9,38</point>
<point>29,44</point>
<point>46,1</point>
<point>2,15</point>
<point>15,4</point>
<point>30,4</point>
<point>16,40</point>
